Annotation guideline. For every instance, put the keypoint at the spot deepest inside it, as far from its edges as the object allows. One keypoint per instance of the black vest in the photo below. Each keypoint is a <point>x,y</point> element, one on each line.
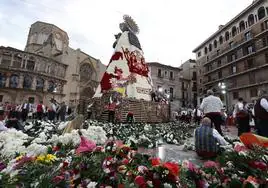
<point>259,111</point>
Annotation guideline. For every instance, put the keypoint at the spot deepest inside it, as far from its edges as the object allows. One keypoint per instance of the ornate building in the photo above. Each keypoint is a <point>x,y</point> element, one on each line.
<point>26,76</point>
<point>48,68</point>
<point>236,55</point>
<point>167,78</point>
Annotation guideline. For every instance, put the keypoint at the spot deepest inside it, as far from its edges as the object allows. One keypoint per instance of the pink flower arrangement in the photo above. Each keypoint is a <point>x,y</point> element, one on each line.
<point>211,164</point>
<point>142,169</point>
<point>189,165</point>
<point>85,145</point>
<point>240,147</point>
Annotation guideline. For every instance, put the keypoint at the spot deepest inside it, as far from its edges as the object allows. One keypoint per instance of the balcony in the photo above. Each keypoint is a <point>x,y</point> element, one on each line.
<point>236,60</point>
<point>229,49</point>
<point>237,74</point>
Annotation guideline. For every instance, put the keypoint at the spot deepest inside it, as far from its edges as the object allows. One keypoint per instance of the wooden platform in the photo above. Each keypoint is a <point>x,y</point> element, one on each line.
<point>144,111</point>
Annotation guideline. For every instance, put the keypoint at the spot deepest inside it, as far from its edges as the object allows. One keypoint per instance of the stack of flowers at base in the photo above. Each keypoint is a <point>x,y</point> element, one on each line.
<point>145,135</point>
<point>118,165</point>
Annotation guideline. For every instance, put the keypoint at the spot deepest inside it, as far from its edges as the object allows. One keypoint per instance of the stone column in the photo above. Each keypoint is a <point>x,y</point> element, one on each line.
<point>21,78</point>
<point>26,62</point>
<point>12,60</point>
<point>35,66</point>
<point>21,64</point>
<point>7,81</point>
<point>34,83</point>
<point>0,60</point>
<point>45,85</point>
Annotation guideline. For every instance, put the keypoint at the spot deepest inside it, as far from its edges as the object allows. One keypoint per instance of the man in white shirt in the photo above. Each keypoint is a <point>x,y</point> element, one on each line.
<point>207,140</point>
<point>211,107</point>
<point>261,113</point>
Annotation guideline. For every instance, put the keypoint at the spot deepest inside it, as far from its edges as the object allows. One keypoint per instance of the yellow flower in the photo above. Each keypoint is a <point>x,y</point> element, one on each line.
<point>51,157</point>
<point>40,158</point>
<point>19,157</point>
<point>46,158</point>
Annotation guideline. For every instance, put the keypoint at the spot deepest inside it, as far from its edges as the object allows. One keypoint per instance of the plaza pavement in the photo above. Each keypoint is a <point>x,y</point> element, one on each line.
<point>169,152</point>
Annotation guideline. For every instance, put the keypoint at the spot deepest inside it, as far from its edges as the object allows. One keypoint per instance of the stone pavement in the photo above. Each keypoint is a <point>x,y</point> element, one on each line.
<point>168,152</point>
<point>176,153</point>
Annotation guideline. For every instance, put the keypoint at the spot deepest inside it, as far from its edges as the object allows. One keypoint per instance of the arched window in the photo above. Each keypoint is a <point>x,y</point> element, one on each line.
<point>206,50</point>
<point>2,80</point>
<point>27,82</point>
<point>251,20</point>
<point>85,72</point>
<point>215,43</point>
<point>227,36</point>
<point>40,84</point>
<point>14,81</point>
<point>242,26</point>
<point>221,39</point>
<point>210,47</point>
<point>261,13</point>
<point>234,31</point>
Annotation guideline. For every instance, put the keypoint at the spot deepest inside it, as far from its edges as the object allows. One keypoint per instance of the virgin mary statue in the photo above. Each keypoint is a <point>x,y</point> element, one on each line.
<point>127,72</point>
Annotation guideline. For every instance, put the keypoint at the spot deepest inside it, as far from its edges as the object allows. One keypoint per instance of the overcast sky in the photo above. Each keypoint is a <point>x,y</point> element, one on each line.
<point>169,29</point>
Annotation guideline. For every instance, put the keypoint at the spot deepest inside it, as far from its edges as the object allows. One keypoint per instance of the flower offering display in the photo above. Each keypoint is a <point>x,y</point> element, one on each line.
<point>147,135</point>
<point>106,155</point>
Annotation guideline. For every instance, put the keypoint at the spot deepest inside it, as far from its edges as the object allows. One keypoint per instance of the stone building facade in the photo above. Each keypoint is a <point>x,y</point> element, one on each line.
<point>74,74</point>
<point>26,76</point>
<point>237,55</point>
<point>167,78</point>
<point>189,83</point>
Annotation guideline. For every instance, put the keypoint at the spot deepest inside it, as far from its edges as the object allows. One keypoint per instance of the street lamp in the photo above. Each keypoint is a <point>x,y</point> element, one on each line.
<point>222,87</point>
<point>54,91</point>
<point>167,95</point>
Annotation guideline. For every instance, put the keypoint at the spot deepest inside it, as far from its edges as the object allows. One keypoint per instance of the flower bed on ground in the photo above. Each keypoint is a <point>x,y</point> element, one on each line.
<point>147,135</point>
<point>117,165</point>
<point>43,157</point>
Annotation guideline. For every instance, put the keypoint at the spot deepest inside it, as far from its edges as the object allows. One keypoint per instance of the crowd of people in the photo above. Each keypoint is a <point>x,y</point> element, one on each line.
<point>209,135</point>
<point>13,116</point>
<point>209,117</point>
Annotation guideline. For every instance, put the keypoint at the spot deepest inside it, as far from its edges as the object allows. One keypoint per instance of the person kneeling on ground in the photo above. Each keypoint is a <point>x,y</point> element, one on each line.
<point>208,140</point>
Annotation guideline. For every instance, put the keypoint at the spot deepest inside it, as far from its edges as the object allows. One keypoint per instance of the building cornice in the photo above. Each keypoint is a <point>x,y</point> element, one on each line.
<point>254,4</point>
<point>156,64</point>
<point>32,54</point>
